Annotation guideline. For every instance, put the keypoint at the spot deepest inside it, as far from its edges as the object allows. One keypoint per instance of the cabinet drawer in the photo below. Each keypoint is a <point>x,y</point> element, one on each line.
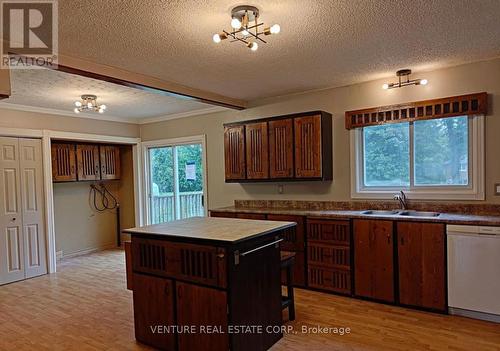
<point>251,215</point>
<point>329,256</point>
<point>222,214</point>
<point>293,237</point>
<point>332,232</point>
<point>337,280</point>
<point>190,262</point>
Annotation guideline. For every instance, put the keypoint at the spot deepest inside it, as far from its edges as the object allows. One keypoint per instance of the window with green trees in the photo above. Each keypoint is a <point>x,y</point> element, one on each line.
<point>426,153</point>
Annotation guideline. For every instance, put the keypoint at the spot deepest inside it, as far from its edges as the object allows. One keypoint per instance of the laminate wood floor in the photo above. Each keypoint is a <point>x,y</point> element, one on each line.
<point>85,306</point>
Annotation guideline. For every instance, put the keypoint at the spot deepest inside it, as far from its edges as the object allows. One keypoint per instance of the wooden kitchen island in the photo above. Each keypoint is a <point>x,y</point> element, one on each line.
<point>207,284</point>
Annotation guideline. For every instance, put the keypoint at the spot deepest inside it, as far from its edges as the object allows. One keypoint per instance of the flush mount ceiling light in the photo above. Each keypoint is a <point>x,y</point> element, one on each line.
<point>88,103</point>
<point>246,28</point>
<point>402,73</point>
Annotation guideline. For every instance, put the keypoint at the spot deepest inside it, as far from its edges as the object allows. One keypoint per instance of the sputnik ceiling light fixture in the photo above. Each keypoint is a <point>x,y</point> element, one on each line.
<point>88,103</point>
<point>245,24</point>
<point>402,73</point>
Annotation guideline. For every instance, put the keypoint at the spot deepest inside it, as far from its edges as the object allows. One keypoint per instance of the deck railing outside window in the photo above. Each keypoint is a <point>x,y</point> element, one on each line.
<point>163,206</point>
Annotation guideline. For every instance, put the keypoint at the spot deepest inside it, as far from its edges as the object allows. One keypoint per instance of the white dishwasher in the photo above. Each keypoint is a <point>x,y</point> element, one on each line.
<point>474,271</point>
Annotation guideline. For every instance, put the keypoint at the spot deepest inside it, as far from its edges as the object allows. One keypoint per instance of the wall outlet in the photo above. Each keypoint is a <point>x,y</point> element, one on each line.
<point>497,189</point>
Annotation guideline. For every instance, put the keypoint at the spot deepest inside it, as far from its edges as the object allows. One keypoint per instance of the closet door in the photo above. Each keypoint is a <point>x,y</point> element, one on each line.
<point>11,237</point>
<point>30,157</point>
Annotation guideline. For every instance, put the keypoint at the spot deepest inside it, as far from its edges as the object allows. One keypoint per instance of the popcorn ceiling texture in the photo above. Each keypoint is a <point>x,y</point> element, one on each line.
<point>58,91</point>
<point>322,43</point>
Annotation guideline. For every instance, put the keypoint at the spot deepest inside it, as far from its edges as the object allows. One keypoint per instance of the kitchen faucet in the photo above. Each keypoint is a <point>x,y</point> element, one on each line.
<point>401,198</point>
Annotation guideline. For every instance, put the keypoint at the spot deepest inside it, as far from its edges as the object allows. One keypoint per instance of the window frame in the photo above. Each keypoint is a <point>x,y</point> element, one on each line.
<point>473,191</point>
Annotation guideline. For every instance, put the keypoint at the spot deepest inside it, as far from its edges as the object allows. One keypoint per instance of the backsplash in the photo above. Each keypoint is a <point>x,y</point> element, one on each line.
<point>472,209</point>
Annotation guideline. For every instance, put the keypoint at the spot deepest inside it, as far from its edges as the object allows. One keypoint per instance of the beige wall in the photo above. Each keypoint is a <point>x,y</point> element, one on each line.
<point>35,120</point>
<point>77,226</point>
<point>471,78</point>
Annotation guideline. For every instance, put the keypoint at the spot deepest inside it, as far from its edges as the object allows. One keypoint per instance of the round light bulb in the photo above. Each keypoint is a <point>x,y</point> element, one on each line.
<point>235,23</point>
<point>275,28</point>
<point>424,81</point>
<point>89,104</point>
<point>216,38</point>
<point>253,46</point>
<point>103,107</point>
<point>385,86</point>
<point>76,110</point>
<point>78,103</point>
<point>245,32</point>
<point>101,110</point>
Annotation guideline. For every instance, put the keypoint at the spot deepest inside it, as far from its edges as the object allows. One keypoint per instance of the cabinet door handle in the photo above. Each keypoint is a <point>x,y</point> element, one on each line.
<point>167,290</point>
<point>402,240</point>
<point>388,238</point>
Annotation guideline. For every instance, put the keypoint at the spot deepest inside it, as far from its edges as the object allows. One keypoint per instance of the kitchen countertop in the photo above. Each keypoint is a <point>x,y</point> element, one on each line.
<point>448,218</point>
<point>229,230</point>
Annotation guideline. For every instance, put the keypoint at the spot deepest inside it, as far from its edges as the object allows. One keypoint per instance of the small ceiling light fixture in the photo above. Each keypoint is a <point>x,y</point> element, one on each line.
<point>88,103</point>
<point>245,24</point>
<point>402,73</point>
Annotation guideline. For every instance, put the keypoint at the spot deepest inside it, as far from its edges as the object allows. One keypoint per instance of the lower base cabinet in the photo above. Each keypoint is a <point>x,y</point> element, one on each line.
<point>421,261</point>
<point>374,259</point>
<point>154,308</point>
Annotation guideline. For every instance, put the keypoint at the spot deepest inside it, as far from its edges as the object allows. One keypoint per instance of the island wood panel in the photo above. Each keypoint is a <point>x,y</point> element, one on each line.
<point>373,259</point>
<point>257,151</point>
<point>255,297</point>
<point>110,161</point>
<point>87,156</point>
<point>308,162</point>
<point>281,148</point>
<point>63,162</point>
<point>201,307</point>
<point>153,306</point>
<point>127,245</point>
<point>422,272</point>
<point>234,152</point>
<point>191,262</point>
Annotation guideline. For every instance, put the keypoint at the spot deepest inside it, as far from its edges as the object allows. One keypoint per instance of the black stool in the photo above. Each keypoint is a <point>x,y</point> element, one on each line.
<point>287,261</point>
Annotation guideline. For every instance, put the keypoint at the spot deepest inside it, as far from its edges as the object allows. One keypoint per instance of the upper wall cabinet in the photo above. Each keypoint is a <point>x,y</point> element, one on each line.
<point>84,162</point>
<point>257,152</point>
<point>234,155</point>
<point>63,162</point>
<point>284,148</point>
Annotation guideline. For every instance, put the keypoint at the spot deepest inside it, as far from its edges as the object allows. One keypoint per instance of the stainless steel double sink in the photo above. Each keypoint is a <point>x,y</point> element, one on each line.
<point>404,213</point>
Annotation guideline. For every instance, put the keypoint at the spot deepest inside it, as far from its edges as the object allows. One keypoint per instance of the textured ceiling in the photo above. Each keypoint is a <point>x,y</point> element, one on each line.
<point>57,91</point>
<point>323,43</point>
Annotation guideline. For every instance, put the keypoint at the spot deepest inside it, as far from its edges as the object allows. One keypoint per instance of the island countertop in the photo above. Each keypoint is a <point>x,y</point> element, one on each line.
<point>228,230</point>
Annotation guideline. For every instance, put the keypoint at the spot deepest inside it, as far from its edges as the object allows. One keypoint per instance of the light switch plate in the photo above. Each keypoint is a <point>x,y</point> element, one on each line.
<point>497,189</point>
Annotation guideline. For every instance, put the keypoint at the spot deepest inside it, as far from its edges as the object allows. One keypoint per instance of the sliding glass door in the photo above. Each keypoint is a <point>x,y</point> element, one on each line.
<point>175,182</point>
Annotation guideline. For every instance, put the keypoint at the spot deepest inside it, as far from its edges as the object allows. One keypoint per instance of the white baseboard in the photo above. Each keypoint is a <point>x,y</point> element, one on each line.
<point>474,314</point>
<point>59,255</point>
<point>86,251</point>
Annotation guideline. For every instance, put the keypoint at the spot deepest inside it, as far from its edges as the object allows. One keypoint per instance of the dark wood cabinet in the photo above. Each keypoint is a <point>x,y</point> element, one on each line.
<point>285,148</point>
<point>110,162</point>
<point>201,307</point>
<point>421,258</point>
<point>234,152</point>
<point>153,308</point>
<point>328,255</point>
<point>87,157</point>
<point>251,215</point>
<point>257,151</point>
<point>281,148</point>
<point>374,259</point>
<point>63,162</point>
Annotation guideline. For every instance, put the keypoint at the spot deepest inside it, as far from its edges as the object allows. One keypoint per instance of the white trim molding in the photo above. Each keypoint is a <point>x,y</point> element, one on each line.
<point>146,145</point>
<point>475,191</point>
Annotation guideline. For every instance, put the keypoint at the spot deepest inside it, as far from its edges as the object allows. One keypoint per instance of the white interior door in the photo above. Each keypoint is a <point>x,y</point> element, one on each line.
<point>30,156</point>
<point>11,238</point>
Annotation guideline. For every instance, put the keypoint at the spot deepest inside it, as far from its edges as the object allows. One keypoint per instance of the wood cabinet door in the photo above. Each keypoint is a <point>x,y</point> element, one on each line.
<point>234,152</point>
<point>88,162</point>
<point>421,256</point>
<point>308,147</point>
<point>110,161</point>
<point>373,259</point>
<point>257,151</point>
<point>281,148</point>
<point>293,237</point>
<point>63,162</point>
<point>200,307</point>
<point>153,309</point>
